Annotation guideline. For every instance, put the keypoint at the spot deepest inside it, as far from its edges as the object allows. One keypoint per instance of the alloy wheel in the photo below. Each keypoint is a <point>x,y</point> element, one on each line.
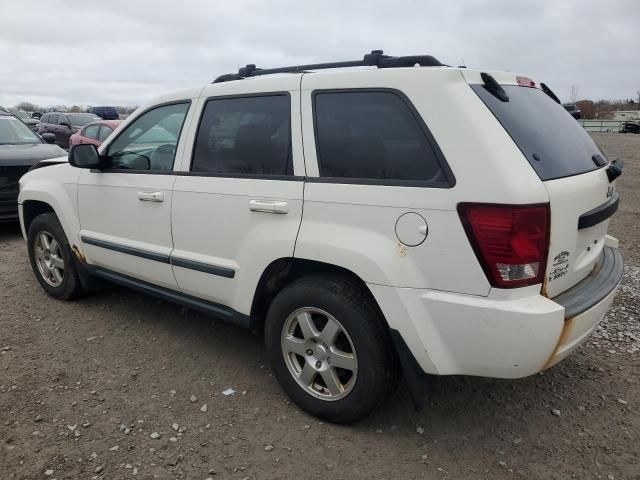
<point>49,260</point>
<point>319,353</point>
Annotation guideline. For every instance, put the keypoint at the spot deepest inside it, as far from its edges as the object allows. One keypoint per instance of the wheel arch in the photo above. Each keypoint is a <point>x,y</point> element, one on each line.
<point>31,209</point>
<point>39,196</point>
<point>283,271</point>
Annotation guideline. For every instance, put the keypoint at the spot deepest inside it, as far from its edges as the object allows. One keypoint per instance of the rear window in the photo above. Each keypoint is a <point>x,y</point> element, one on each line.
<point>373,135</point>
<point>81,119</point>
<point>245,135</point>
<point>553,142</point>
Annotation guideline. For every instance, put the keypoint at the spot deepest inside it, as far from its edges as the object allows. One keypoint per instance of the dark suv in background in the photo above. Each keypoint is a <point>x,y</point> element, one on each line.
<point>573,110</point>
<point>63,125</point>
<point>105,113</point>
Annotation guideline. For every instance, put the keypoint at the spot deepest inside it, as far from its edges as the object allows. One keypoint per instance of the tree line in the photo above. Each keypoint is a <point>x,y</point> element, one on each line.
<point>32,107</point>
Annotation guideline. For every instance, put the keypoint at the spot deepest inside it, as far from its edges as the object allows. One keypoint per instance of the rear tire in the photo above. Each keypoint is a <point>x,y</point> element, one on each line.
<point>330,348</point>
<point>52,259</point>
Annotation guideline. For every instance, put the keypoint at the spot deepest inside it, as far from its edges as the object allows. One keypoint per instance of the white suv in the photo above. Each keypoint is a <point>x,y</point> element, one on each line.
<point>376,216</point>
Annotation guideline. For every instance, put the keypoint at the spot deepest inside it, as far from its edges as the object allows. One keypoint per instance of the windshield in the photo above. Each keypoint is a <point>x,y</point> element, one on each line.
<point>14,132</point>
<point>81,119</point>
<point>553,142</point>
<point>21,114</point>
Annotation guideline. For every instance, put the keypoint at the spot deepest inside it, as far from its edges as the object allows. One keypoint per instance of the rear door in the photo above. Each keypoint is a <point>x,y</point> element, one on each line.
<point>573,170</point>
<point>237,205</point>
<point>62,131</point>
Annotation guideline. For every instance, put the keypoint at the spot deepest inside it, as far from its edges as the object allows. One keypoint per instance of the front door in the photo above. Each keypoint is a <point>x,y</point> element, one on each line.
<point>125,210</point>
<point>237,206</point>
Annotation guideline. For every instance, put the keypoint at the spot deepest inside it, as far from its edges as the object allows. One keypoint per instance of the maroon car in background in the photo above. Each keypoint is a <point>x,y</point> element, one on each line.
<point>64,124</point>
<point>95,133</point>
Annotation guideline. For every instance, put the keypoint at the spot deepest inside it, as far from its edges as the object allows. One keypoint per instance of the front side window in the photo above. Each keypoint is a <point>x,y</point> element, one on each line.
<point>245,136</point>
<point>53,118</point>
<point>150,141</point>
<point>373,135</point>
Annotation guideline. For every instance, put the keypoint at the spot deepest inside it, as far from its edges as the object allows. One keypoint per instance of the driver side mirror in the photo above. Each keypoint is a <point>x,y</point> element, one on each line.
<point>86,156</point>
<point>65,124</point>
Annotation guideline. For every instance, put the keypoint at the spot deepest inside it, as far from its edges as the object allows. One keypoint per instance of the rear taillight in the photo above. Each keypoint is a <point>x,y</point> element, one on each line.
<point>510,241</point>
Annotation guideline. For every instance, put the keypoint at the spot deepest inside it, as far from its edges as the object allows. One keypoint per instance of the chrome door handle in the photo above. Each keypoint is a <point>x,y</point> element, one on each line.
<point>269,206</point>
<point>151,196</point>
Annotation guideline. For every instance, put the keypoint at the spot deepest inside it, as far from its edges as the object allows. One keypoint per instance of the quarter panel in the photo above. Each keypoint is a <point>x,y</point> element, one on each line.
<point>362,238</point>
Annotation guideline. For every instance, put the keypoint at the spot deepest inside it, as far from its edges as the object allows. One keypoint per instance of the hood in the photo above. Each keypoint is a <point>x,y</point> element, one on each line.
<point>29,154</point>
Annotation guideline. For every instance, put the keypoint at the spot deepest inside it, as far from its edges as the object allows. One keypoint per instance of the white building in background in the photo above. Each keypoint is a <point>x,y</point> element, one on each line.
<point>626,115</point>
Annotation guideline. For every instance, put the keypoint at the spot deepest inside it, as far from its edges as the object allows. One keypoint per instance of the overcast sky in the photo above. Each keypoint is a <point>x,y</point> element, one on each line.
<point>119,52</point>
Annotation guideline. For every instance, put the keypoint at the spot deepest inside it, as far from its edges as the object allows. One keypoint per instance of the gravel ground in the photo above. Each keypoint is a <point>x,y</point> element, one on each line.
<point>120,385</point>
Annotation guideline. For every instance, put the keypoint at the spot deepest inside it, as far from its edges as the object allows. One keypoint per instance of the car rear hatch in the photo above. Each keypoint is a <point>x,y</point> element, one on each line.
<point>570,164</point>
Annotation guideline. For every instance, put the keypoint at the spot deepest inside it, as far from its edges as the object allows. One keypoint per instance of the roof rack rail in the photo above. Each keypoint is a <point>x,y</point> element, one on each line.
<point>375,58</point>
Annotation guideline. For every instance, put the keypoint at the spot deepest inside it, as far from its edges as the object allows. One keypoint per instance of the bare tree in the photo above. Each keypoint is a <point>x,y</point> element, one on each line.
<point>27,106</point>
<point>574,92</point>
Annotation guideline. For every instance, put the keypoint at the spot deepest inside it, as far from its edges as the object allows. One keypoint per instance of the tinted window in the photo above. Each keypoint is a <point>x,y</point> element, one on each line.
<point>53,118</point>
<point>372,135</point>
<point>549,137</point>
<point>62,119</point>
<point>149,142</point>
<point>249,135</point>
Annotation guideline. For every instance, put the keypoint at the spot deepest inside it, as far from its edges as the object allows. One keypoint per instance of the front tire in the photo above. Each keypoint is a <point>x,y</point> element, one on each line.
<point>330,348</point>
<point>52,259</point>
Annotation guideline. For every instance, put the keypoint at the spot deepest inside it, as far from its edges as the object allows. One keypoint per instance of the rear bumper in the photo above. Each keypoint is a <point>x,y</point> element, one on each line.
<point>587,303</point>
<point>508,334</point>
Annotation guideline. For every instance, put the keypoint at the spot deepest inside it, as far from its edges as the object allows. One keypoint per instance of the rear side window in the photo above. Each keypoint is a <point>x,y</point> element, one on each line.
<point>104,133</point>
<point>553,142</point>
<point>244,135</point>
<point>373,135</point>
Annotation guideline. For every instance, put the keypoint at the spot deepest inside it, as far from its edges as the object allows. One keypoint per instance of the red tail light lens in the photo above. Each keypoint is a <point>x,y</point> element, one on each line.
<point>510,241</point>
